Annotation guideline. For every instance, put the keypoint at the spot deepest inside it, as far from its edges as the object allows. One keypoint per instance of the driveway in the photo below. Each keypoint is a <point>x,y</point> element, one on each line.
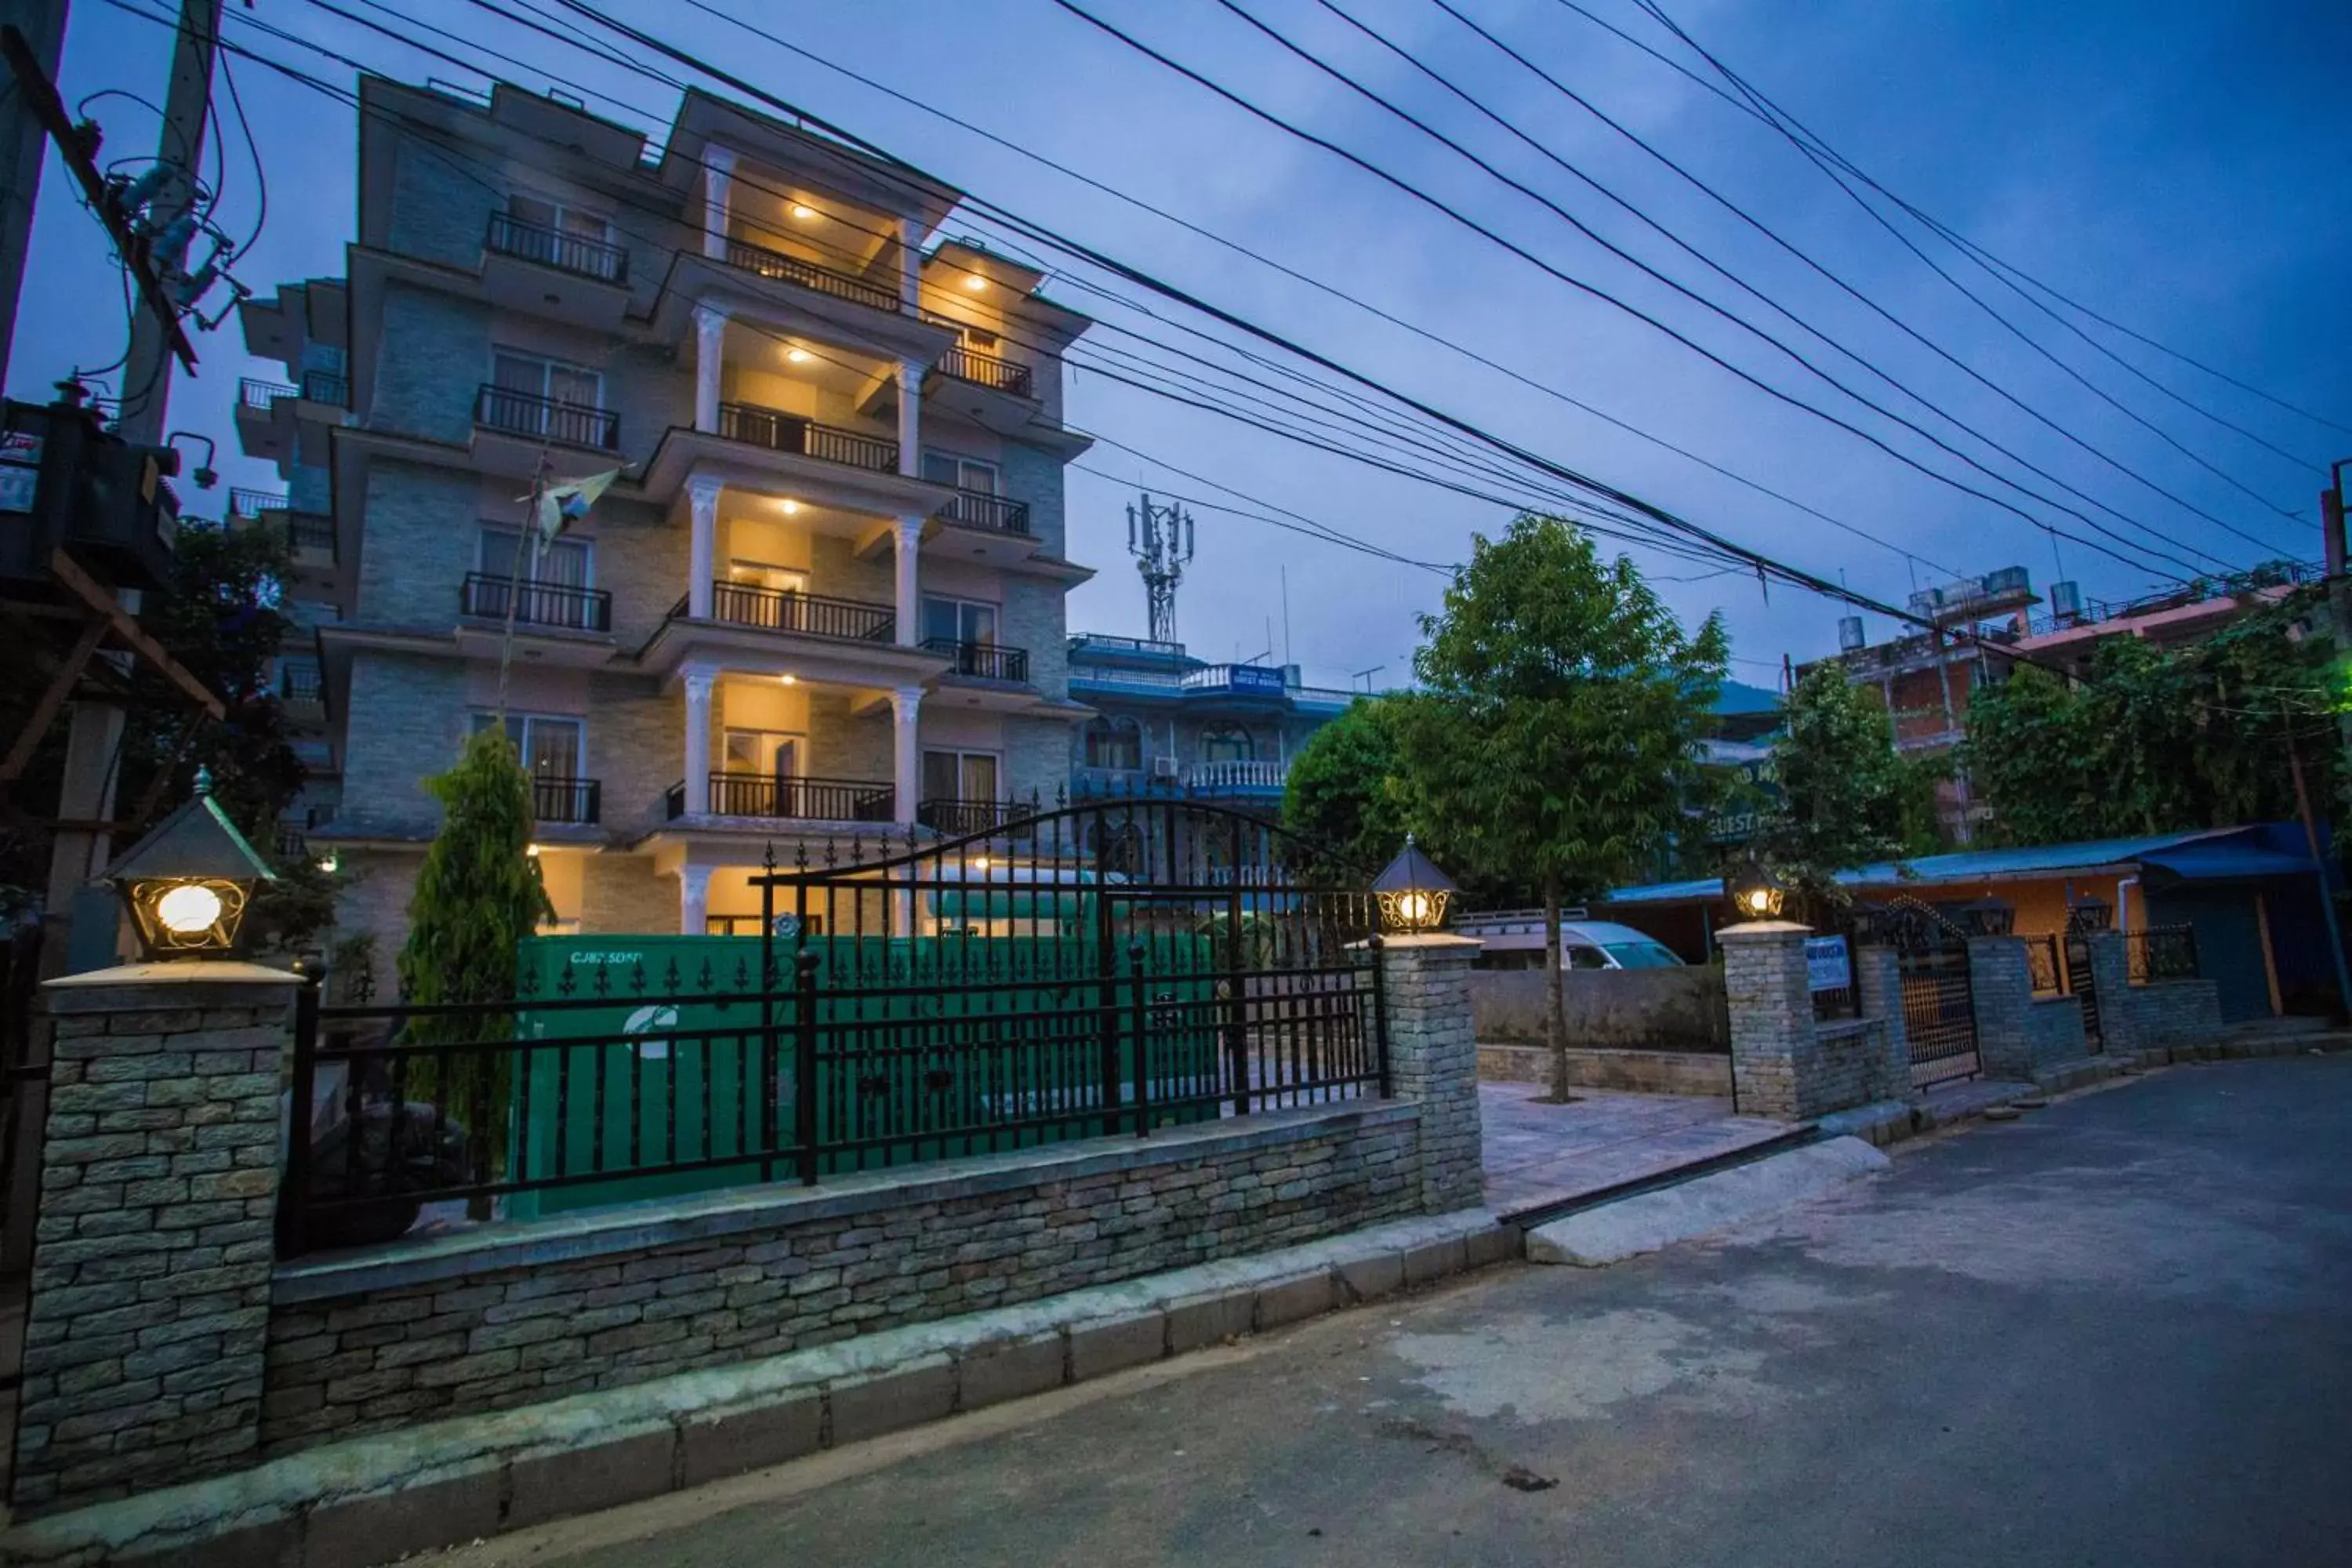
<point>2113,1332</point>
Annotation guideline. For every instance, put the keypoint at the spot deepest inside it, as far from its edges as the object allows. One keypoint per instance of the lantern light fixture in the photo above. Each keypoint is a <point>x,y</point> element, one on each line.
<point>1412,891</point>
<point>1756,893</point>
<point>1989,916</point>
<point>188,882</point>
<point>2089,914</point>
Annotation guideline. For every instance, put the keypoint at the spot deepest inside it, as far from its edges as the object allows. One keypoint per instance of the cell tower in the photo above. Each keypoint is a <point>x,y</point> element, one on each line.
<point>1160,539</point>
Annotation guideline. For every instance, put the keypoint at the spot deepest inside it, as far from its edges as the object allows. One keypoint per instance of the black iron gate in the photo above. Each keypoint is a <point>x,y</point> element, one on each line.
<point>2082,980</point>
<point>1939,1013</point>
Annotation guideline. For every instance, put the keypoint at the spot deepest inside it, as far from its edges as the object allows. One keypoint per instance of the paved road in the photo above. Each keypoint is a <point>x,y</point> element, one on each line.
<point>2117,1332</point>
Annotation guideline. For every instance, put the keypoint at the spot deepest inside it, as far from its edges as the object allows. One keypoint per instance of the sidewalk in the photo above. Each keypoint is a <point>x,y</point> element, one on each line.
<point>1539,1155</point>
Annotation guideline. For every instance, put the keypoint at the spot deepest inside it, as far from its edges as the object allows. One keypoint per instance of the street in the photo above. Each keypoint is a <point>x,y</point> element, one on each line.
<point>2113,1333</point>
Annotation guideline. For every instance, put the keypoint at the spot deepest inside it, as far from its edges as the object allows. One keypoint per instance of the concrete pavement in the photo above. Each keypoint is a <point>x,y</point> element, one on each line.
<point>2111,1332</point>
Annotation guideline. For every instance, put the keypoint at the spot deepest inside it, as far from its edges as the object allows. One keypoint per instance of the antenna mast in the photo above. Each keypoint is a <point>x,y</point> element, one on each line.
<point>1160,539</point>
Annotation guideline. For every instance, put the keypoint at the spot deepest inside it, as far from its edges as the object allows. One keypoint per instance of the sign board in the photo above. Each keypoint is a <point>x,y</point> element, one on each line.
<point>1825,963</point>
<point>1255,678</point>
<point>20,469</point>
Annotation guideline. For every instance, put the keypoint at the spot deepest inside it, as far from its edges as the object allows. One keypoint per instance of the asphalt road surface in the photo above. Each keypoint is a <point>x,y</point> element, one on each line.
<point>2117,1332</point>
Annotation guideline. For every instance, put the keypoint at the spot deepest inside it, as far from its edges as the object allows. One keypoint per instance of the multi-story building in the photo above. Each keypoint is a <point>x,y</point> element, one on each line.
<point>824,599</point>
<point>1167,723</point>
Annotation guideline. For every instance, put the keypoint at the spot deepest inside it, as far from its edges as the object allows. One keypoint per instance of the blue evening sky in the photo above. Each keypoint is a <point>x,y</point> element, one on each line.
<point>2178,165</point>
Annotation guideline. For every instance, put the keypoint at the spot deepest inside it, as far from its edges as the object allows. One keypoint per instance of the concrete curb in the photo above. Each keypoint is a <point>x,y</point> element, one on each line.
<point>348,1505</point>
<point>1651,1222</point>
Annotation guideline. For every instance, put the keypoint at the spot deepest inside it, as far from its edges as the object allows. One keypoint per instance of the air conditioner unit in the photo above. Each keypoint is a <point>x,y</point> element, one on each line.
<point>1163,767</point>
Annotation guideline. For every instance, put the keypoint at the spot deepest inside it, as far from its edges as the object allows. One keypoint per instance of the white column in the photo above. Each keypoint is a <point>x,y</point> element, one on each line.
<point>702,552</point>
<point>910,602</point>
<point>910,265</point>
<point>693,899</point>
<point>910,417</point>
<point>709,354</point>
<point>716,188</point>
<point>907,754</point>
<point>699,683</point>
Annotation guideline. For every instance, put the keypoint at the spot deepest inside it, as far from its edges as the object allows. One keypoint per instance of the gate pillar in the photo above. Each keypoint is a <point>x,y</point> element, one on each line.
<point>150,1297</point>
<point>2001,988</point>
<point>1770,1003</point>
<point>1433,1058</point>
<point>2119,1032</point>
<point>1878,979</point>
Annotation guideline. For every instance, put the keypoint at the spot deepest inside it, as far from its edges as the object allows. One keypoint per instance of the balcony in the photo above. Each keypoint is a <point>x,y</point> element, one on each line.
<point>987,369</point>
<point>792,799</point>
<point>310,532</point>
<point>781,432</point>
<point>252,506</point>
<point>1235,679</point>
<point>759,260</point>
<point>996,514</point>
<point>805,614</point>
<point>981,660</point>
<point>300,685</point>
<point>566,801</point>
<point>274,419</point>
<point>1232,776</point>
<point>326,387</point>
<point>552,247</point>
<point>540,606</point>
<point>547,419</point>
<point>263,395</point>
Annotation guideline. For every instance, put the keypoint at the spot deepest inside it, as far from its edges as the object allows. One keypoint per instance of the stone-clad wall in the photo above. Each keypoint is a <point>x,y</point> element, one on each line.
<point>788,1269</point>
<point>2053,1031</point>
<point>2174,1013</point>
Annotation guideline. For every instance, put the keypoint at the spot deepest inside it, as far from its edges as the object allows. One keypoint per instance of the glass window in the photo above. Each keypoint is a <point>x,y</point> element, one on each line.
<point>1643,956</point>
<point>551,746</point>
<point>548,213</point>
<point>964,473</point>
<point>959,620</point>
<point>535,375</point>
<point>569,562</point>
<point>763,753</point>
<point>1230,743</point>
<point>959,775</point>
<point>1114,743</point>
<point>1576,956</point>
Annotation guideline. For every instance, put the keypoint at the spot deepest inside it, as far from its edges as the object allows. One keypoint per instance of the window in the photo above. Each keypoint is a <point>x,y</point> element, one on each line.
<point>548,212</point>
<point>1576,955</point>
<point>1227,744</point>
<point>964,473</point>
<point>966,621</point>
<point>960,775</point>
<point>763,753</point>
<point>1115,743</point>
<point>551,746</point>
<point>569,562</point>
<point>761,574</point>
<point>535,375</point>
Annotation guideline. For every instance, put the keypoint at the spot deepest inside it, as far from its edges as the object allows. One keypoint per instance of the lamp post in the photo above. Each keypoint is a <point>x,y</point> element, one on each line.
<point>1989,916</point>
<point>1756,893</point>
<point>1412,892</point>
<point>187,884</point>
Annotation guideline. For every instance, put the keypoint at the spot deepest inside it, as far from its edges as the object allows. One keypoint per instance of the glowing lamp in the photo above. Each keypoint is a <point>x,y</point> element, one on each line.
<point>187,883</point>
<point>974,281</point>
<point>799,356</point>
<point>802,211</point>
<point>1412,891</point>
<point>1756,893</point>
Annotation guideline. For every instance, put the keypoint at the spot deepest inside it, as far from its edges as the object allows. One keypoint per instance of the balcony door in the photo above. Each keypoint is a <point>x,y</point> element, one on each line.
<point>556,579</point>
<point>548,397</point>
<point>964,473</point>
<point>560,218</point>
<point>756,593</point>
<point>551,746</point>
<point>968,776</point>
<point>965,622</point>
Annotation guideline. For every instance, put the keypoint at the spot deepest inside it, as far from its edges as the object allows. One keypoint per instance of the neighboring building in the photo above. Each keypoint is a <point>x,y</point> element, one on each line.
<point>1167,723</point>
<point>825,597</point>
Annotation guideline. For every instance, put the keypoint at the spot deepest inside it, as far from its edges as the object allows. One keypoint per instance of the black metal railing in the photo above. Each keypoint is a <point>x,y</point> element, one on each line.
<point>555,798</point>
<point>766,263</point>
<point>2161,952</point>
<point>792,799</point>
<point>301,683</point>
<point>987,369</point>
<point>943,814</point>
<point>809,615</point>
<point>2042,965</point>
<point>981,660</point>
<point>782,432</point>
<point>547,418</point>
<point>880,1010</point>
<point>326,387</point>
<point>254,505</point>
<point>552,247</point>
<point>310,531</point>
<point>557,604</point>
<point>976,509</point>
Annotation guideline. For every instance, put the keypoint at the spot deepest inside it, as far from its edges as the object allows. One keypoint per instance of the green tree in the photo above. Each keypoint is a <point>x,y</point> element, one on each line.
<point>1342,798</point>
<point>1555,736</point>
<point>1847,796</point>
<point>479,894</point>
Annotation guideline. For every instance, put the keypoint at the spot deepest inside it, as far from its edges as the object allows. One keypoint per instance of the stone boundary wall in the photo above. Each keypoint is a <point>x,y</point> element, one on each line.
<point>1639,1072</point>
<point>2173,1012</point>
<point>1623,1009</point>
<point>494,1320</point>
<point>2053,1031</point>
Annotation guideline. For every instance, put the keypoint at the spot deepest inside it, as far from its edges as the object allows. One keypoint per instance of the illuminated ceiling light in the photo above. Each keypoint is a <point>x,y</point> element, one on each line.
<point>805,212</point>
<point>789,680</point>
<point>799,356</point>
<point>533,850</point>
<point>974,281</point>
<point>789,506</point>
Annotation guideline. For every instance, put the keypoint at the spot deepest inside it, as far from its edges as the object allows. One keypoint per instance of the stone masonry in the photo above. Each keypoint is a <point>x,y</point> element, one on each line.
<point>1433,1061</point>
<point>2018,1034</point>
<point>1784,1063</point>
<point>1878,979</point>
<point>149,1292</point>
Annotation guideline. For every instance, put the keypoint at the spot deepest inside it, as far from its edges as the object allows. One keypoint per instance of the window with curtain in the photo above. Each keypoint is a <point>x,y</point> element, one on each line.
<point>1115,743</point>
<point>959,775</point>
<point>959,620</point>
<point>1227,744</point>
<point>536,376</point>
<point>550,745</point>
<point>569,562</point>
<point>964,473</point>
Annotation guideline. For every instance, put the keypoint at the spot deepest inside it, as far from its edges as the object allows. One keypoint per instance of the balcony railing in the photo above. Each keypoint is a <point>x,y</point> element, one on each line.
<point>301,684</point>
<point>555,798</point>
<point>1235,776</point>
<point>782,432</point>
<point>310,531</point>
<point>557,604</point>
<point>253,505</point>
<point>809,615</point>
<point>954,817</point>
<point>981,660</point>
<point>326,387</point>
<point>263,395</point>
<point>987,369</point>
<point>547,418</point>
<point>977,509</point>
<point>794,799</point>
<point>552,247</point>
<point>766,263</point>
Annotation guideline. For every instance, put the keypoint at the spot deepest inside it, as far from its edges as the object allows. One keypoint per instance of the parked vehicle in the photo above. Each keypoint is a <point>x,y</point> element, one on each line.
<point>1514,939</point>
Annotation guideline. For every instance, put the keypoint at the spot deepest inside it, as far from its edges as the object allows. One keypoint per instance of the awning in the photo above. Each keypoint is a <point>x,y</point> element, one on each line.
<point>2223,862</point>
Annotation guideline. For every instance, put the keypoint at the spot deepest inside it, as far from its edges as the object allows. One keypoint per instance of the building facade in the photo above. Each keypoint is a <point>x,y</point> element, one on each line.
<point>1166,724</point>
<point>824,596</point>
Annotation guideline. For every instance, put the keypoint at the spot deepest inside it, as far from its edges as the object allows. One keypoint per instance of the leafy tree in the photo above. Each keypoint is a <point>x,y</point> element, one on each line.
<point>1847,796</point>
<point>1555,736</point>
<point>1342,797</point>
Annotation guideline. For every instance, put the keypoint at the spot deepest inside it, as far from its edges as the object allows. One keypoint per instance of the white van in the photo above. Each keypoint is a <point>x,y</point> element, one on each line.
<point>1514,939</point>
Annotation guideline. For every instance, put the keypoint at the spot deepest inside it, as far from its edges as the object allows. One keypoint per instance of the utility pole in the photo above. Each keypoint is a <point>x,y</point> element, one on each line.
<point>187,112</point>
<point>24,148</point>
<point>2339,595</point>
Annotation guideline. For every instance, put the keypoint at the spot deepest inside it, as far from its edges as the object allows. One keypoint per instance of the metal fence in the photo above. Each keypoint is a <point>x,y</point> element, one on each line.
<point>2161,952</point>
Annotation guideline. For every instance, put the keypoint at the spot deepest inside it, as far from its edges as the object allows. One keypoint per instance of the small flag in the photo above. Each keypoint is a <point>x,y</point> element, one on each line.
<point>561,506</point>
